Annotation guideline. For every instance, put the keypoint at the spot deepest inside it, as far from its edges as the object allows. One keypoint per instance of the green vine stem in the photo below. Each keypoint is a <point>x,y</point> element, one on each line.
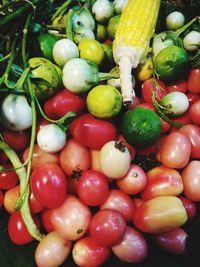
<point>69,31</point>
<point>24,209</point>
<point>61,9</point>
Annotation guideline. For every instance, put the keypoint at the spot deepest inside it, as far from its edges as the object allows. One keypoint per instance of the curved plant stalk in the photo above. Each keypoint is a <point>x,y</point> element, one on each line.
<point>62,8</point>
<point>24,209</point>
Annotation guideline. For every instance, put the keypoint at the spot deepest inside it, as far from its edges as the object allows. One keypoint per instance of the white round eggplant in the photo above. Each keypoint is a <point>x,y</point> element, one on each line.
<point>16,113</point>
<point>51,138</point>
<point>114,159</point>
<point>64,50</point>
<point>175,20</point>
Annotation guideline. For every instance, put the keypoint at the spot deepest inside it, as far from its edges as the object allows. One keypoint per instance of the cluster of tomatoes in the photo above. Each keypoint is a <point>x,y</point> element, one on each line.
<point>91,199</point>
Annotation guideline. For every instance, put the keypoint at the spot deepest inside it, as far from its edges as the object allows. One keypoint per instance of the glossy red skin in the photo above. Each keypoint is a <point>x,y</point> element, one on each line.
<point>107,227</point>
<point>190,207</point>
<point>132,248</point>
<point>62,102</point>
<point>192,97</point>
<point>193,81</point>
<point>147,90</point>
<point>88,253</point>
<point>93,188</point>
<point>159,215</point>
<point>75,158</point>
<point>192,131</point>
<point>147,105</point>
<point>41,157</point>
<point>8,179</point>
<point>17,140</point>
<point>135,102</point>
<point>121,202</point>
<point>1,199</point>
<point>162,181</point>
<point>175,150</point>
<point>173,241</point>
<point>134,181</point>
<point>72,219</point>
<point>92,132</point>
<point>34,204</point>
<point>17,230</point>
<point>191,180</point>
<point>147,151</point>
<point>131,149</point>
<point>179,86</point>
<point>49,185</point>
<point>46,220</point>
<point>194,112</point>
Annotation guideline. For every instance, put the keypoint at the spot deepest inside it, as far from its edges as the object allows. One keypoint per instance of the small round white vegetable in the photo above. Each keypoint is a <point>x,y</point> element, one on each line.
<point>78,75</point>
<point>51,138</point>
<point>64,50</point>
<point>16,113</point>
<point>191,41</point>
<point>81,33</point>
<point>119,6</point>
<point>114,162</point>
<point>176,103</point>
<point>160,43</point>
<point>175,20</point>
<point>103,10</point>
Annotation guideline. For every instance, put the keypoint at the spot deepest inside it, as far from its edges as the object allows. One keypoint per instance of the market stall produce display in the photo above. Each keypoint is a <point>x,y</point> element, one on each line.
<point>99,133</point>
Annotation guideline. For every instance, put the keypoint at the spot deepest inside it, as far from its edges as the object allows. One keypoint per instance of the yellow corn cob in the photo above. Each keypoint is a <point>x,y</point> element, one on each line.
<point>132,37</point>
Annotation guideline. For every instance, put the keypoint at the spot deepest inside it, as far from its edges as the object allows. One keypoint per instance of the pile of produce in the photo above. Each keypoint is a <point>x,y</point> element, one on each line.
<point>99,130</point>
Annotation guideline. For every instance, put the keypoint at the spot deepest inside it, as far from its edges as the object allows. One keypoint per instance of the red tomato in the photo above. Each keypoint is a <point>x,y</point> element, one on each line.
<point>46,220</point>
<point>131,149</point>
<point>3,157</point>
<point>71,220</point>
<point>173,241</point>
<point>160,214</point>
<point>1,199</point>
<point>92,132</point>
<point>132,247</point>
<point>165,126</point>
<point>175,150</point>
<point>17,230</point>
<point>179,86</point>
<point>75,158</point>
<point>190,207</point>
<point>88,253</point>
<point>62,102</point>
<point>119,201</point>
<point>34,204</point>
<point>162,181</point>
<point>146,105</point>
<point>107,227</point>
<point>193,81</point>
<point>8,179</point>
<point>193,133</point>
<point>16,140</point>
<point>49,185</point>
<point>194,112</point>
<point>93,188</point>
<point>191,180</point>
<point>134,181</point>
<point>147,90</point>
<point>192,97</point>
<point>41,157</point>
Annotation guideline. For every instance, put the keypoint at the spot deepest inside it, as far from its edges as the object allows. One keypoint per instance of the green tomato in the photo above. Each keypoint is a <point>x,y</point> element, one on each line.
<point>112,26</point>
<point>101,33</point>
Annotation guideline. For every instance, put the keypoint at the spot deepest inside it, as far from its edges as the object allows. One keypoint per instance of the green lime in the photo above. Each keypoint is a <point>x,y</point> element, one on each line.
<point>141,127</point>
<point>101,32</point>
<point>112,25</point>
<point>104,101</point>
<point>46,42</point>
<point>171,63</point>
